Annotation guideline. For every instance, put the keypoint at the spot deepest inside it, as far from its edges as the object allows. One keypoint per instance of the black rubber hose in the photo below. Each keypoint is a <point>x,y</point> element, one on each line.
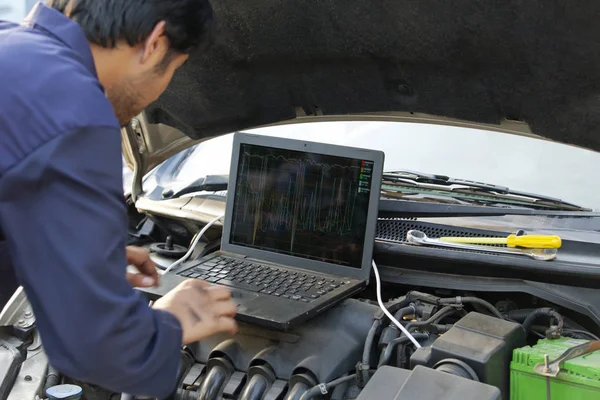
<point>581,333</point>
<point>396,305</point>
<point>366,358</point>
<point>256,388</point>
<point>212,384</point>
<point>385,359</point>
<point>391,332</point>
<point>316,390</point>
<point>520,315</point>
<point>183,394</point>
<point>52,378</point>
<point>448,310</point>
<point>544,312</point>
<point>296,390</point>
<point>339,391</point>
<point>475,300</point>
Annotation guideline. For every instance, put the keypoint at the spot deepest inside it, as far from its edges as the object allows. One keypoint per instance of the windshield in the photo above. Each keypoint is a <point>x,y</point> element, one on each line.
<point>520,163</point>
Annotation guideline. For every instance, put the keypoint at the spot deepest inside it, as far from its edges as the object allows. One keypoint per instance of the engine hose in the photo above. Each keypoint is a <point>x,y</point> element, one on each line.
<point>387,355</point>
<point>394,306</point>
<point>391,332</point>
<point>475,300</point>
<point>520,315</point>
<point>545,312</point>
<point>366,358</point>
<point>339,392</point>
<point>218,374</point>
<point>444,312</point>
<point>183,394</point>
<point>581,333</point>
<point>440,328</point>
<point>325,387</point>
<point>256,388</point>
<point>296,390</point>
<point>52,378</point>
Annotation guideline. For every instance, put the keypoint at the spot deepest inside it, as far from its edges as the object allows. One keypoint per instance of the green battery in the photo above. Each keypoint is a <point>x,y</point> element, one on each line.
<point>578,379</point>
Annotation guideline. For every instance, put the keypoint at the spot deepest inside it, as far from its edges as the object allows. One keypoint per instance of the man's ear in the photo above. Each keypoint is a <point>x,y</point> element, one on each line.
<point>156,45</point>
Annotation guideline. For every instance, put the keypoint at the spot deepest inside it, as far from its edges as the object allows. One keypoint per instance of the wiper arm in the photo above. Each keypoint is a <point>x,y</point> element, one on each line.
<point>444,180</point>
<point>209,183</point>
<point>467,187</point>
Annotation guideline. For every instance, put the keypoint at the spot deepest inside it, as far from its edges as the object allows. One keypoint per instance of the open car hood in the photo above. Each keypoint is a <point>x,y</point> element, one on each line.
<point>520,67</point>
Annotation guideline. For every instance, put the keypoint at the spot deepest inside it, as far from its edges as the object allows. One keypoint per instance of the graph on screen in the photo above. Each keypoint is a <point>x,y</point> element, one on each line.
<point>302,204</point>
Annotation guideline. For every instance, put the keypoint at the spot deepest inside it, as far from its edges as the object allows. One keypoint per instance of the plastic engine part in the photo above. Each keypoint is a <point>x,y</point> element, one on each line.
<point>328,345</point>
<point>64,392</point>
<point>259,363</point>
<point>579,377</point>
<point>483,343</point>
<point>423,383</point>
<point>10,362</point>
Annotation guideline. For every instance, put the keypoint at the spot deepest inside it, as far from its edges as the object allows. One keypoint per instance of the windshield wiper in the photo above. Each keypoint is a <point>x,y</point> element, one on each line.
<point>412,181</point>
<point>209,183</point>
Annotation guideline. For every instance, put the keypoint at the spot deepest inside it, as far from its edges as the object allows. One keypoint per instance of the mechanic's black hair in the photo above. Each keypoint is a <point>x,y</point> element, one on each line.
<point>189,25</point>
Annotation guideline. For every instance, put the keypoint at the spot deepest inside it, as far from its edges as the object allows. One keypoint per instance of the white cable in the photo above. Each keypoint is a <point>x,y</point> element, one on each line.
<point>386,312</point>
<point>193,245</point>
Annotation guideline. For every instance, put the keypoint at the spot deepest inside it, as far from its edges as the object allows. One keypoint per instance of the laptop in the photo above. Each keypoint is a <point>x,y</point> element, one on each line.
<point>298,232</point>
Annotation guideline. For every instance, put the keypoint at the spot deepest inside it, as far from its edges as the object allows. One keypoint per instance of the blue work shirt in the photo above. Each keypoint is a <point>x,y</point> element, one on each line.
<point>63,219</point>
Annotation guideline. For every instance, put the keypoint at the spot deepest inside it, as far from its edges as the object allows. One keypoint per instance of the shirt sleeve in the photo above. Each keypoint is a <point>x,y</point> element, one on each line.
<point>63,213</point>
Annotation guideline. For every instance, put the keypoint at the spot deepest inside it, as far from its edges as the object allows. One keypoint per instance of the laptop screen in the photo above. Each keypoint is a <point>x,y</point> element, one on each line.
<point>302,204</point>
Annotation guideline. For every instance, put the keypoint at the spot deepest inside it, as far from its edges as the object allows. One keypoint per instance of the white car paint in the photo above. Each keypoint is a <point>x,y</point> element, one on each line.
<point>521,163</point>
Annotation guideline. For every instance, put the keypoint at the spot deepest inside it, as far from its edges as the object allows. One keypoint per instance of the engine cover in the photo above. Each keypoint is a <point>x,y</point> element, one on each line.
<point>323,348</point>
<point>478,346</point>
<point>422,383</point>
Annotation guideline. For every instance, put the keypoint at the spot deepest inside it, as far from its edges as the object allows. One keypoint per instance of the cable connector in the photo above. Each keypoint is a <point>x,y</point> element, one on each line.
<point>360,379</point>
<point>362,367</point>
<point>323,388</point>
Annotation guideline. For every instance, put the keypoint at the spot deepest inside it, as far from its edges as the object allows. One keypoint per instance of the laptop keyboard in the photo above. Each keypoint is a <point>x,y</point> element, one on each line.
<point>262,278</point>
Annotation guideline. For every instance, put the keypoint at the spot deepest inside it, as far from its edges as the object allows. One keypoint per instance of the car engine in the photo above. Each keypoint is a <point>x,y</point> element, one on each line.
<point>468,349</point>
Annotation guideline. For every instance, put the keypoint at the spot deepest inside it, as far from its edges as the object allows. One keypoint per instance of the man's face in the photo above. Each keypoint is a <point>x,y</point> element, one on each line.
<point>141,86</point>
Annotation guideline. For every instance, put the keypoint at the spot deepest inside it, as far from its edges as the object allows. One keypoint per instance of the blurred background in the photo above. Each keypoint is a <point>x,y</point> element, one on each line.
<point>15,10</point>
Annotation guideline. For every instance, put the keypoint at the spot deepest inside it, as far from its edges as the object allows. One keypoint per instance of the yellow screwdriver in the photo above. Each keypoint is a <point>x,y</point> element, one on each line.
<point>527,241</point>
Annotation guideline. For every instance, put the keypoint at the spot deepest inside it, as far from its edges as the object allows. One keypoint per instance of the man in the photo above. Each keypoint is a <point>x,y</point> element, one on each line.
<point>62,214</point>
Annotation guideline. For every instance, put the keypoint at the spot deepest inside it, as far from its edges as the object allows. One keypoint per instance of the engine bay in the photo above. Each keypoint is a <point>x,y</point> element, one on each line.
<point>478,336</point>
<point>469,349</point>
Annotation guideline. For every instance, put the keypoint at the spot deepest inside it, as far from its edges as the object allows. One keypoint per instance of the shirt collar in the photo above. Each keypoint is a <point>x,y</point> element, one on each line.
<point>64,29</point>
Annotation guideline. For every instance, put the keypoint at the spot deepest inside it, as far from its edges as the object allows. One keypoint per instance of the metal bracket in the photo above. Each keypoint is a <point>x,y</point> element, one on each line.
<point>17,311</point>
<point>31,378</point>
<point>552,368</point>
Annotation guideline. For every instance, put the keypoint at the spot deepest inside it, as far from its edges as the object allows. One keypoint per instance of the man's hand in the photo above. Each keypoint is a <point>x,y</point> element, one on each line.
<point>140,259</point>
<point>203,310</point>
